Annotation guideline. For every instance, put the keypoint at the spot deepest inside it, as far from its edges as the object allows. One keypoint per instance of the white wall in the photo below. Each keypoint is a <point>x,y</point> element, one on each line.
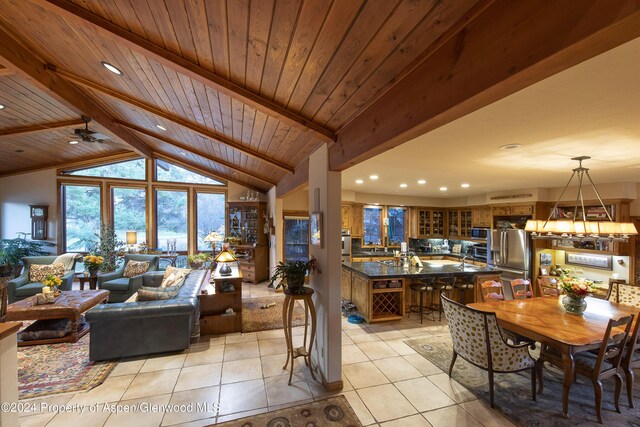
<point>17,193</point>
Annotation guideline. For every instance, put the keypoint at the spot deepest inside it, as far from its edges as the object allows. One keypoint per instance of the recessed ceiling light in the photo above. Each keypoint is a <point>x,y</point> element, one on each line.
<point>111,68</point>
<point>183,153</point>
<point>422,181</point>
<point>73,142</point>
<point>161,127</point>
<point>443,188</point>
<point>465,185</point>
<point>373,177</point>
<point>510,146</point>
<point>359,181</point>
<point>2,107</point>
<point>377,204</point>
<point>403,185</point>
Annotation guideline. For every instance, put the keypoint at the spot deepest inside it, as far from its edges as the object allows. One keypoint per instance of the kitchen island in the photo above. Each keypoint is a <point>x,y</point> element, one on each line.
<point>380,290</point>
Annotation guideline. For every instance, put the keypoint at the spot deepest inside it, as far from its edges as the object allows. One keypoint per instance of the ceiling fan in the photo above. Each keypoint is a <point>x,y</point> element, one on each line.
<point>87,135</point>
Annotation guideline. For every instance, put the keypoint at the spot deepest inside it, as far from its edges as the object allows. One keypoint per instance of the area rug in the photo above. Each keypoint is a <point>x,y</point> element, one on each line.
<point>513,391</point>
<point>59,368</point>
<point>334,411</point>
<point>255,318</point>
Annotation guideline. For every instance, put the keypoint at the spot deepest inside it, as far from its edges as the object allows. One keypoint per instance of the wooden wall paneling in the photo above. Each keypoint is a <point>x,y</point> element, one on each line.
<point>372,16</point>
<point>4,71</point>
<point>238,27</point>
<point>197,14</point>
<point>219,36</point>
<point>216,113</point>
<point>181,25</point>
<point>164,25</point>
<point>310,20</point>
<point>26,105</point>
<point>260,16</point>
<point>338,22</point>
<point>202,101</point>
<point>383,44</point>
<point>41,127</point>
<point>237,115</point>
<point>248,119</point>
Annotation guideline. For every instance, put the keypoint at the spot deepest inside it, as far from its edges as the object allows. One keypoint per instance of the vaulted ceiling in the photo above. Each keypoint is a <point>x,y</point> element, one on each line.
<point>246,90</point>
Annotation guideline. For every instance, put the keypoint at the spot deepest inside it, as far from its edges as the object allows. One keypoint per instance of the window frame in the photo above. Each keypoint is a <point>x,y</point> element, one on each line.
<point>197,191</point>
<point>62,235</point>
<point>405,214</point>
<point>380,226</point>
<point>294,215</point>
<point>111,186</point>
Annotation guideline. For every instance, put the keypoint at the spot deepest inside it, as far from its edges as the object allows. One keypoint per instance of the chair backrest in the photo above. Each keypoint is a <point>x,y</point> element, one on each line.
<point>521,288</point>
<point>613,342</point>
<point>446,280</point>
<point>612,292</point>
<point>633,344</point>
<point>428,281</point>
<point>546,287</point>
<point>491,291</point>
<point>153,260</point>
<point>624,293</point>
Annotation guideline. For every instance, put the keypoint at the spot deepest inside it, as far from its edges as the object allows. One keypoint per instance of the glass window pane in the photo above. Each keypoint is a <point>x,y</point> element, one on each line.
<point>396,226</point>
<point>372,226</point>
<point>81,217</point>
<point>171,218</point>
<point>131,169</point>
<point>211,217</point>
<point>129,212</point>
<point>166,171</point>
<point>296,239</point>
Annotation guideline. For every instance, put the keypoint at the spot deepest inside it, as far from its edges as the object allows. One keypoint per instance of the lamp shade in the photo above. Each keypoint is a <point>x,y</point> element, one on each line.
<point>225,256</point>
<point>214,236</point>
<point>132,237</point>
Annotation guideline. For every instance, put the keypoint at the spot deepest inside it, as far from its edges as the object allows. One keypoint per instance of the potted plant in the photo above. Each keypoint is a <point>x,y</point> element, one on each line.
<point>292,273</point>
<point>197,260</point>
<point>13,250</point>
<point>108,246</point>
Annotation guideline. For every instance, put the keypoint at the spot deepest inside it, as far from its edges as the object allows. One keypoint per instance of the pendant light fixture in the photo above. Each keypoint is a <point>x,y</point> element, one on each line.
<point>578,228</point>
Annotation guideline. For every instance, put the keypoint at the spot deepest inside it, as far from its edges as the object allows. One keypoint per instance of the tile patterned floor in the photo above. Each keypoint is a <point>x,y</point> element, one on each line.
<point>386,382</point>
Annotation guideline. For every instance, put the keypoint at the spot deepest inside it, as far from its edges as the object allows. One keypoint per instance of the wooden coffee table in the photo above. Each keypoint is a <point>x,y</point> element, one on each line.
<point>70,305</point>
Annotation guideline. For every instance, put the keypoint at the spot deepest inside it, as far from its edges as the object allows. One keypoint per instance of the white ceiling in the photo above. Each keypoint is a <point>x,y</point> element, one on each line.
<point>591,109</point>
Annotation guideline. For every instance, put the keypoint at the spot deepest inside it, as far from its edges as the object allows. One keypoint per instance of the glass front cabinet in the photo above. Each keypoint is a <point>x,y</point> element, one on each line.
<point>246,228</point>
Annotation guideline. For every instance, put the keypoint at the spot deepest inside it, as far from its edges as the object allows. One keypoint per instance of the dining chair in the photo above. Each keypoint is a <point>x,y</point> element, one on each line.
<point>478,340</point>
<point>596,367</point>
<point>631,360</point>
<point>491,291</point>
<point>478,280</point>
<point>547,287</point>
<point>623,293</point>
<point>521,288</point>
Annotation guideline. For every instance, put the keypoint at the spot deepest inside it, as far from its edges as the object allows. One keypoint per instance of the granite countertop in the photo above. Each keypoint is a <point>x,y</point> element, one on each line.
<point>378,270</point>
<point>381,254</point>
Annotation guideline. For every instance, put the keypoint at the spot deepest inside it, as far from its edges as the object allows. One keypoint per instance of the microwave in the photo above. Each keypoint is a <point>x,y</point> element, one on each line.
<point>479,233</point>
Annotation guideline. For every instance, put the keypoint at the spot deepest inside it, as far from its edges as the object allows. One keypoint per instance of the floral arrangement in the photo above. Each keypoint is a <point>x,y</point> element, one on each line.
<point>93,261</point>
<point>575,287</point>
<point>52,281</point>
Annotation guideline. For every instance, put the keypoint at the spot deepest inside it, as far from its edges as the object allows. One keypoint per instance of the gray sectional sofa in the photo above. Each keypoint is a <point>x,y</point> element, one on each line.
<point>146,327</point>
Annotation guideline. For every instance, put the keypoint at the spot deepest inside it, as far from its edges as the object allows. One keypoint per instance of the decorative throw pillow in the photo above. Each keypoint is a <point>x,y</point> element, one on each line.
<point>174,270</point>
<point>135,268</point>
<point>155,294</point>
<point>38,272</point>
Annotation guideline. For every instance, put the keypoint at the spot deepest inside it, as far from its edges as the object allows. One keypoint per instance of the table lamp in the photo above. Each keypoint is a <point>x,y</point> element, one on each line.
<point>213,238</point>
<point>132,238</point>
<point>225,257</point>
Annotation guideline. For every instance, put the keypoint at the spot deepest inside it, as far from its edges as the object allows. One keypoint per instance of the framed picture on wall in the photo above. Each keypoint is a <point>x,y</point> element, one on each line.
<point>545,258</point>
<point>589,260</point>
<point>315,229</point>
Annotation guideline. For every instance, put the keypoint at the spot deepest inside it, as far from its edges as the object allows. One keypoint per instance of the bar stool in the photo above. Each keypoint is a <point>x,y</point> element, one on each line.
<point>463,284</point>
<point>425,286</point>
<point>444,285</point>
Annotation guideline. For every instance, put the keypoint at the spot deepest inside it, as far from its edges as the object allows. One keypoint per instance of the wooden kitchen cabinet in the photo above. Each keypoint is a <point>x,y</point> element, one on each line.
<point>431,223</point>
<point>357,220</point>
<point>345,283</point>
<point>481,217</point>
<point>346,216</point>
<point>459,223</point>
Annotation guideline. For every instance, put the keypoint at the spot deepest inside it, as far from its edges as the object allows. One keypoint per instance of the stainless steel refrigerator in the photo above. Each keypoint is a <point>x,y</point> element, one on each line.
<point>509,250</point>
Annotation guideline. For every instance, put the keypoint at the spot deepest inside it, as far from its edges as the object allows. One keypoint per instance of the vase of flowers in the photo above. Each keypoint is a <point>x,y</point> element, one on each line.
<point>93,263</point>
<point>52,282</point>
<point>292,274</point>
<point>576,291</point>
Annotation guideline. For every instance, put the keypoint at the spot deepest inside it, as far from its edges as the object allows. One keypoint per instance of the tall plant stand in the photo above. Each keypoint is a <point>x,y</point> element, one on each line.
<point>287,317</point>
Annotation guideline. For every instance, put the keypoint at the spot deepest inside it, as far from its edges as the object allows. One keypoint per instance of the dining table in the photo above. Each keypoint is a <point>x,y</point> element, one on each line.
<point>545,320</point>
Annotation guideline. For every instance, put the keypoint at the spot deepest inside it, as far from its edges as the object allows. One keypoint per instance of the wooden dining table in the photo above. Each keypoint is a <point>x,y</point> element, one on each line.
<point>545,320</point>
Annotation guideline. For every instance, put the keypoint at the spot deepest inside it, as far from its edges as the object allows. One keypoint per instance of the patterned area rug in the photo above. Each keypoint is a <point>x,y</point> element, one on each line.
<point>255,318</point>
<point>513,391</point>
<point>59,368</point>
<point>334,411</point>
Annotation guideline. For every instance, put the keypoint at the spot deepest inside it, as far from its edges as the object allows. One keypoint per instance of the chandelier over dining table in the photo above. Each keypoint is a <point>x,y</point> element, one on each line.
<point>579,228</point>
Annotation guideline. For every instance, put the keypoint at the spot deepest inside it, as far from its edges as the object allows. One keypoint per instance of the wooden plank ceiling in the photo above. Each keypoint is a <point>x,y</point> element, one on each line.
<point>246,90</point>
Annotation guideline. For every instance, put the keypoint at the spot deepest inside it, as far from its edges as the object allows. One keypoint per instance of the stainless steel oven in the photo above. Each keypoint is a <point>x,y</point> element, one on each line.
<point>480,252</point>
<point>346,243</point>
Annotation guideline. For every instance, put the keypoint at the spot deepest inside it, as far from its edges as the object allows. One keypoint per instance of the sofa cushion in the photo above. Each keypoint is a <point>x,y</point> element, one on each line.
<point>135,268</point>
<point>154,294</point>
<point>38,272</point>
<point>116,285</point>
<point>176,278</point>
<point>29,289</point>
<point>171,269</point>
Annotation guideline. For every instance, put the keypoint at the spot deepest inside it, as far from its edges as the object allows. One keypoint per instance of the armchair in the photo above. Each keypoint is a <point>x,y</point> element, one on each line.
<point>121,288</point>
<point>20,287</point>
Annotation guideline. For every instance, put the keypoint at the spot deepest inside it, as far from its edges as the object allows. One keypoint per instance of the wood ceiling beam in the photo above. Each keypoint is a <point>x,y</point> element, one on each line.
<point>138,44</point>
<point>4,71</point>
<point>168,157</point>
<point>42,127</point>
<point>169,117</point>
<point>19,58</point>
<point>293,181</point>
<point>195,151</point>
<point>507,47</point>
<point>75,164</point>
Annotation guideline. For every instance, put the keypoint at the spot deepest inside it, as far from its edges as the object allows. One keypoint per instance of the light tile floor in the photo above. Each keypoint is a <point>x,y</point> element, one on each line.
<point>228,377</point>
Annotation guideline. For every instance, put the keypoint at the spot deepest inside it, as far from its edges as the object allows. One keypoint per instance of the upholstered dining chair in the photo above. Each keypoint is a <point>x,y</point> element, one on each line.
<point>623,293</point>
<point>547,287</point>
<point>631,359</point>
<point>596,367</point>
<point>478,340</point>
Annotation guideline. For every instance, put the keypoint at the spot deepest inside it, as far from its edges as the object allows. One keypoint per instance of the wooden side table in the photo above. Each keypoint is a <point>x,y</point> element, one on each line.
<point>92,280</point>
<point>287,316</point>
